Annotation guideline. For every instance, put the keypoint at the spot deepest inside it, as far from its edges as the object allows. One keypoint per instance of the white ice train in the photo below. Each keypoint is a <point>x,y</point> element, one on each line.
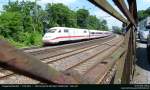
<point>59,34</point>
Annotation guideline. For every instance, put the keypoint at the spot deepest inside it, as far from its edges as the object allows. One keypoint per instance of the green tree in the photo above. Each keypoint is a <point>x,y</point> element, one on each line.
<point>103,25</point>
<point>93,23</point>
<point>31,16</point>
<point>142,14</point>
<point>60,15</point>
<point>117,30</point>
<point>10,24</point>
<point>82,18</point>
<point>20,22</point>
<point>97,24</point>
<point>12,7</point>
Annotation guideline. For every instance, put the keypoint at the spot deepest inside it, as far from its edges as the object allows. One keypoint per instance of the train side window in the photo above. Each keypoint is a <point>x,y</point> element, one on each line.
<point>66,30</point>
<point>92,33</point>
<point>59,31</point>
<point>85,32</point>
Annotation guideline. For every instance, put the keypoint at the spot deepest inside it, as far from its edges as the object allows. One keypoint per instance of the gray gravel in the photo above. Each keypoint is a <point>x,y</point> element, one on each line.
<point>18,79</point>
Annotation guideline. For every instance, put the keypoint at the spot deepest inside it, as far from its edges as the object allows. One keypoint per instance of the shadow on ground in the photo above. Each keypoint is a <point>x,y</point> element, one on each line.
<point>143,58</point>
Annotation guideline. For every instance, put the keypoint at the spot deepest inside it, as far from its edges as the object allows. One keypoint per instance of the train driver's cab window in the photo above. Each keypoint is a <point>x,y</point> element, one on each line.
<point>66,30</point>
<point>51,31</point>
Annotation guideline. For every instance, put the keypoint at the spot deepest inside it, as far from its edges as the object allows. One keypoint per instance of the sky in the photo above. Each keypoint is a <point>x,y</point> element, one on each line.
<point>76,4</point>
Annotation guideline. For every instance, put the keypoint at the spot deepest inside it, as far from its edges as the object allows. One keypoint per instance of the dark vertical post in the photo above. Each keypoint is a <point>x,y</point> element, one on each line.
<point>126,73</point>
<point>133,11</point>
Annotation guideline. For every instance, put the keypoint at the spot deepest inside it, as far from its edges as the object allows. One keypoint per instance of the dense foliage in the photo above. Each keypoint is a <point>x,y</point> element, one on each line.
<point>24,23</point>
<point>117,30</point>
<point>142,14</point>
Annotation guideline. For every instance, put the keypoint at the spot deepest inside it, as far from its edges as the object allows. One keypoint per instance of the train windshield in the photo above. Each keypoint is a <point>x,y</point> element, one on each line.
<point>51,31</point>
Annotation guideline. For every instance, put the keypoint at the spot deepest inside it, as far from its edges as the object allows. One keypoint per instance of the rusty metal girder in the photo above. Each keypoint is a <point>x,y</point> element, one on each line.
<point>16,60</point>
<point>122,6</point>
<point>103,4</point>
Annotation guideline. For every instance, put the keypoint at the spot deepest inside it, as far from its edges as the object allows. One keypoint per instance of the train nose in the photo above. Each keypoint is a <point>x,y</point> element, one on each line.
<point>46,37</point>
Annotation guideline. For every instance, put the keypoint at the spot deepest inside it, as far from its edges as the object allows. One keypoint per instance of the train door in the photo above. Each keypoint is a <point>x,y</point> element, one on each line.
<point>86,34</point>
<point>72,34</point>
<point>76,34</point>
<point>66,35</point>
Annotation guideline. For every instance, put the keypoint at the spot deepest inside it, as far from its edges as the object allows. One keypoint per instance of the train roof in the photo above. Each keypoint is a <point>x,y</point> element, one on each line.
<point>77,28</point>
<point>58,27</point>
<point>65,27</point>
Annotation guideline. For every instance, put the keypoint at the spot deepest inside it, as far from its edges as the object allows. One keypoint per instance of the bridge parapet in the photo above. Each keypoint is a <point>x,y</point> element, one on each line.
<point>130,35</point>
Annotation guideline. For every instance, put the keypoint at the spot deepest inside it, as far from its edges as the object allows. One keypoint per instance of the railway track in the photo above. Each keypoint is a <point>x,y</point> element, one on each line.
<point>79,59</point>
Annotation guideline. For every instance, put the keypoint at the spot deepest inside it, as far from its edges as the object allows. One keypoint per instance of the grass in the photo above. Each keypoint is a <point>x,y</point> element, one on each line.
<point>27,40</point>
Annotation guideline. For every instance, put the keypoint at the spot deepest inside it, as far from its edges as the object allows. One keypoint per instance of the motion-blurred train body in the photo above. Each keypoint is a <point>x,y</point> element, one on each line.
<point>59,34</point>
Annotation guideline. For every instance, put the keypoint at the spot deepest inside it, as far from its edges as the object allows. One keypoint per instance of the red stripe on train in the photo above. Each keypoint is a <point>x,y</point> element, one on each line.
<point>68,37</point>
<point>73,37</point>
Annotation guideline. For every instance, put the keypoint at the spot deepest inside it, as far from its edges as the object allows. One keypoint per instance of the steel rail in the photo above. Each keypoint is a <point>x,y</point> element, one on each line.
<point>105,64</point>
<point>79,50</point>
<point>104,50</point>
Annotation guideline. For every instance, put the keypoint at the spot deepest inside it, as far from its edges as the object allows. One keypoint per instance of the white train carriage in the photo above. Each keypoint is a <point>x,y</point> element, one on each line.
<point>107,33</point>
<point>96,34</point>
<point>58,34</point>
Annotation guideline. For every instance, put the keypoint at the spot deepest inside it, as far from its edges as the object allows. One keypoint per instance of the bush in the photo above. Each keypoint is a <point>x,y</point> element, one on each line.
<point>30,39</point>
<point>35,39</point>
<point>25,40</point>
<point>12,42</point>
<point>16,44</point>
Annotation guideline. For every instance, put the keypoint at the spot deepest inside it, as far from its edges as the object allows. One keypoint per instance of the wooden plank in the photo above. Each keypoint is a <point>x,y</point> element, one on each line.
<point>19,62</point>
<point>103,4</point>
<point>122,6</point>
